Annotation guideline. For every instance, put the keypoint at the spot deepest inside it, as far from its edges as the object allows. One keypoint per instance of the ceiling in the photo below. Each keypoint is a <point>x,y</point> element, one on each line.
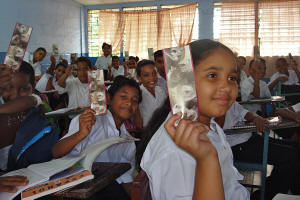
<point>96,2</point>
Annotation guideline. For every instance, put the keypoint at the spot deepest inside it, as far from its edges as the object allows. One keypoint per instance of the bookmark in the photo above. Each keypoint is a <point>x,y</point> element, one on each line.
<point>97,91</point>
<point>17,46</point>
<point>181,82</point>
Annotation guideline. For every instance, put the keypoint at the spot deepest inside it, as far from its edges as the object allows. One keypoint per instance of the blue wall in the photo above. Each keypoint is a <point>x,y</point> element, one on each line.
<point>53,21</point>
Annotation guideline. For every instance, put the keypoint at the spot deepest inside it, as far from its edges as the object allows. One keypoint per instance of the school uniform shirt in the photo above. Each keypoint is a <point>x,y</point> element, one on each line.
<point>102,62</point>
<point>78,92</point>
<point>243,75</point>
<point>163,84</point>
<point>236,113</point>
<point>4,152</point>
<point>150,103</point>
<point>104,128</point>
<point>293,78</point>
<point>1,100</point>
<point>37,68</point>
<point>171,170</point>
<point>247,86</point>
<point>296,107</point>
<point>117,72</point>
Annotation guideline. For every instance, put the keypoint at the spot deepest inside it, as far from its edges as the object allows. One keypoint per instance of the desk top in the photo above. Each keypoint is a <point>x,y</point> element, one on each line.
<point>104,173</point>
<point>65,112</point>
<point>273,99</point>
<point>284,124</point>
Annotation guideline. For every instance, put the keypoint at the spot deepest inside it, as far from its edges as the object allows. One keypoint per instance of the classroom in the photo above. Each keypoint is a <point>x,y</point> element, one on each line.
<point>150,99</point>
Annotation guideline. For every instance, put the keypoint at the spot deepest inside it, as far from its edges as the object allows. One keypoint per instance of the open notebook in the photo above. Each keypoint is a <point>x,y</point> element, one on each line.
<point>57,174</point>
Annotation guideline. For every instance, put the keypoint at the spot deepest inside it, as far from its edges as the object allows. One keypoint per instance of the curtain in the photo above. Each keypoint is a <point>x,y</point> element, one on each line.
<point>140,32</point>
<point>279,30</point>
<point>181,23</point>
<point>111,28</point>
<point>237,26</point>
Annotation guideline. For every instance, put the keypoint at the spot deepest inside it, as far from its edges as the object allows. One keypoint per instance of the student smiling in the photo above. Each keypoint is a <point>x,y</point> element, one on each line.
<point>165,164</point>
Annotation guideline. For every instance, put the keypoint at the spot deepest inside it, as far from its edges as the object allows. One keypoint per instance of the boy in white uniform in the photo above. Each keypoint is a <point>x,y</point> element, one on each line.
<point>288,77</point>
<point>38,55</point>
<point>76,87</point>
<point>171,170</point>
<point>116,69</point>
<point>124,96</point>
<point>253,86</point>
<point>103,61</point>
<point>153,95</point>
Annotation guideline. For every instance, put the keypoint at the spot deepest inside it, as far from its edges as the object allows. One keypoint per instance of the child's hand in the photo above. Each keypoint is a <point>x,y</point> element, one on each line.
<point>86,121</point>
<point>190,136</point>
<point>125,64</point>
<point>283,78</point>
<point>294,65</point>
<point>260,124</point>
<point>53,59</point>
<point>5,76</point>
<point>8,183</point>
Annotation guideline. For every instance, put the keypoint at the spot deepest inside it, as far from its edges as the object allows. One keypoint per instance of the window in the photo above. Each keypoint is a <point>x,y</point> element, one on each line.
<point>141,28</point>
<point>278,26</point>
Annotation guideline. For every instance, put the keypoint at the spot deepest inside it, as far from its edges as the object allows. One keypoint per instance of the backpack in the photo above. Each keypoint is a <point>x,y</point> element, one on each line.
<point>33,142</point>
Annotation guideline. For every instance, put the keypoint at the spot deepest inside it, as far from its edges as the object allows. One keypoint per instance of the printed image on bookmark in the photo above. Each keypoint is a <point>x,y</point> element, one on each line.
<point>97,91</point>
<point>17,47</point>
<point>181,82</point>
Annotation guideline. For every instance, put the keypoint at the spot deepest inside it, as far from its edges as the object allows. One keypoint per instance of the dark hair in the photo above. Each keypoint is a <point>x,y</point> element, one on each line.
<point>200,49</point>
<point>27,69</point>
<point>115,57</point>
<point>158,54</point>
<point>84,59</point>
<point>242,57</point>
<point>137,59</point>
<point>105,44</point>
<point>141,64</point>
<point>260,60</point>
<point>157,119</point>
<point>41,49</point>
<point>281,59</point>
<point>131,58</point>
<point>60,64</point>
<point>121,81</point>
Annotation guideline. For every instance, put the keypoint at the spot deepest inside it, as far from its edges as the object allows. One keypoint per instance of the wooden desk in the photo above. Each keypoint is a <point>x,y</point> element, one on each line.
<point>104,173</point>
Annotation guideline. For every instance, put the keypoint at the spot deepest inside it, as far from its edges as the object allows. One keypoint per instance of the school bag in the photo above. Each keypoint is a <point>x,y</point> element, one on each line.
<point>33,142</point>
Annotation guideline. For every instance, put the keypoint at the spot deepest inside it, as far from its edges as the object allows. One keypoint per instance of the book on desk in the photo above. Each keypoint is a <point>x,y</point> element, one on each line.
<point>58,174</point>
<point>272,121</point>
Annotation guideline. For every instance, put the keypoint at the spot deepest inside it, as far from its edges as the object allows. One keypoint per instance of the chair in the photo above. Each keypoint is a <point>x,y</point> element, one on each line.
<point>141,189</point>
<point>262,167</point>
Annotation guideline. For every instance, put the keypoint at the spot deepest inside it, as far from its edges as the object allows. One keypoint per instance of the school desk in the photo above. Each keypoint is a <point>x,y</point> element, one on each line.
<point>104,172</point>
<point>263,101</point>
<point>248,166</point>
<point>273,99</point>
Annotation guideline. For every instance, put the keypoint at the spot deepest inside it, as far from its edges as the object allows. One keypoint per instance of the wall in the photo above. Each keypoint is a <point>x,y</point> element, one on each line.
<point>54,22</point>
